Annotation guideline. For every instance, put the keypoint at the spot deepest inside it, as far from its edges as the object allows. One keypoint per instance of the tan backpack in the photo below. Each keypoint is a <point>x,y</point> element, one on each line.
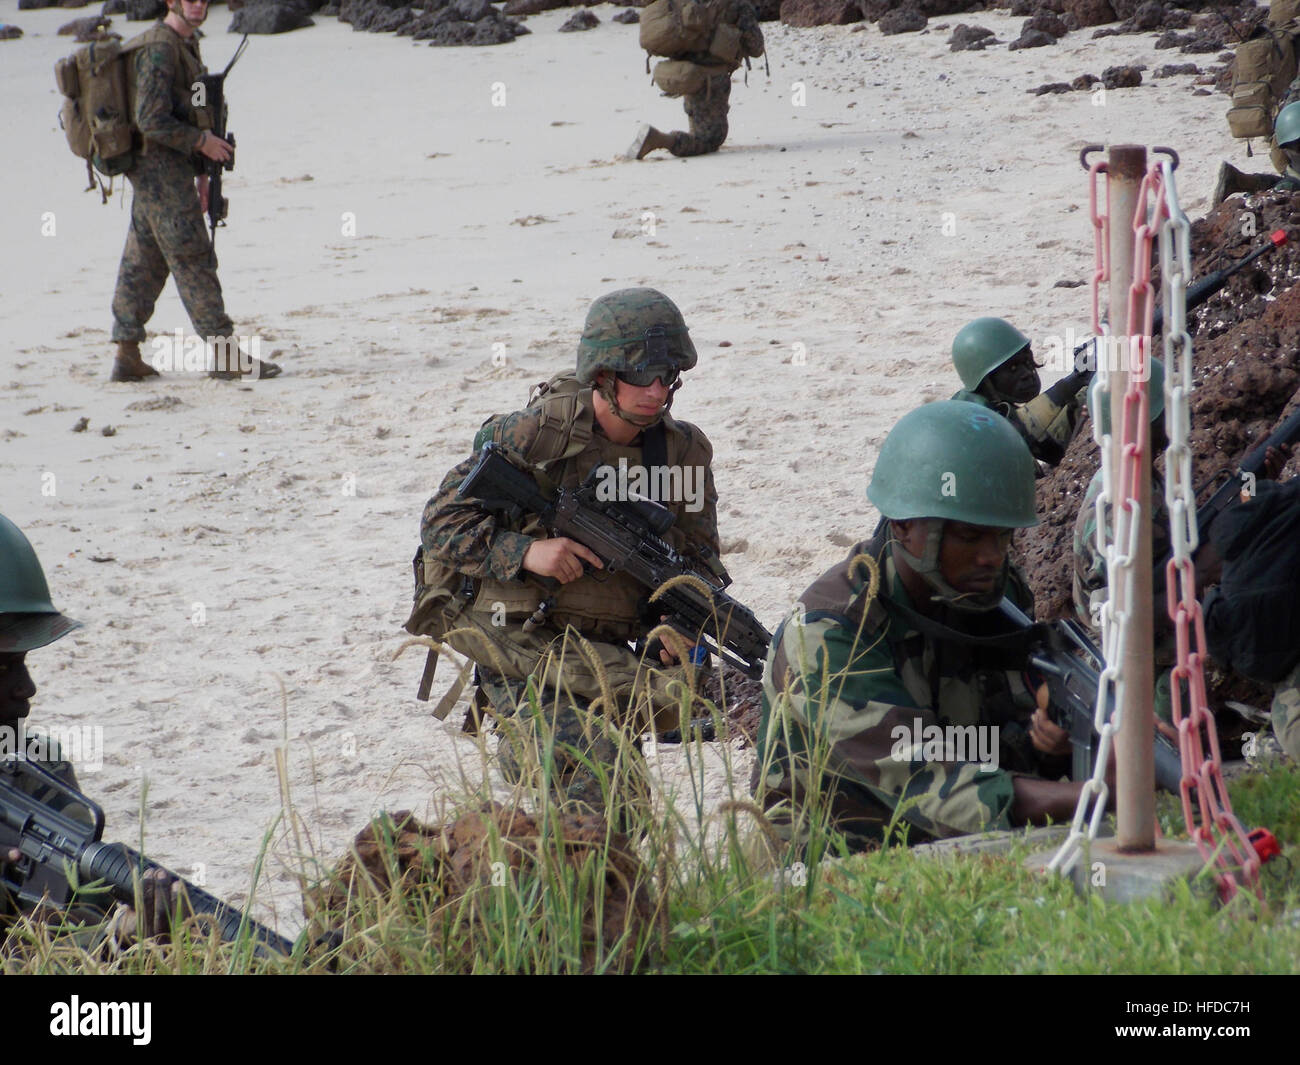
<point>97,114</point>
<point>1263,68</point>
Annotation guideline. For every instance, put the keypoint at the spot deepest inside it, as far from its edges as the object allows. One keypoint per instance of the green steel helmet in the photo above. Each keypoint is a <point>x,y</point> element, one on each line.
<point>958,462</point>
<point>631,328</point>
<point>1286,129</point>
<point>982,346</point>
<point>1155,391</point>
<point>27,617</point>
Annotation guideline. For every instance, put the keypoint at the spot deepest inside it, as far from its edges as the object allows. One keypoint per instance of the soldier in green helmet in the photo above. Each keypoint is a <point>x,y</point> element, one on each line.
<point>516,600</point>
<point>995,362</point>
<point>884,705</point>
<point>1284,152</point>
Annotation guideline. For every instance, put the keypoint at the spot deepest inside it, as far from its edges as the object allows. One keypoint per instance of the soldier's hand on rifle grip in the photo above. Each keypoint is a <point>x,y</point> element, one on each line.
<point>1047,736</point>
<point>559,557</point>
<point>214,148</point>
<point>1275,460</point>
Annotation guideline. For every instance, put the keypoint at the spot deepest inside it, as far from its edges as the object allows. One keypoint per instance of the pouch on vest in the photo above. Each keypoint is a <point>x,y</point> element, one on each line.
<point>1263,68</point>
<point>441,596</point>
<point>681,77</point>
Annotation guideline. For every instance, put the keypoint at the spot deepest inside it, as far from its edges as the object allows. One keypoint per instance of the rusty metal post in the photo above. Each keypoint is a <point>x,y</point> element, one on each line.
<point>1134,751</point>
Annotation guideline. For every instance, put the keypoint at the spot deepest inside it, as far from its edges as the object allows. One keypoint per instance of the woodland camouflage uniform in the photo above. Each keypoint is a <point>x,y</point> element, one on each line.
<point>843,672</point>
<point>558,435</point>
<point>167,233</point>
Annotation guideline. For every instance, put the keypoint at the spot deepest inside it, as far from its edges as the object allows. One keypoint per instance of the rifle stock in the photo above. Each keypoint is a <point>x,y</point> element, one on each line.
<point>50,840</point>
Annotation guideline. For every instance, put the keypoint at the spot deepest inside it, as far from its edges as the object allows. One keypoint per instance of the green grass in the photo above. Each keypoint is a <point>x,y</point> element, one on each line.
<point>735,903</point>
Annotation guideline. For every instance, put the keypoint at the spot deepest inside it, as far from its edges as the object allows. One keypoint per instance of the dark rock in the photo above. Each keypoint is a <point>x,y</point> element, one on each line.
<point>1090,12</point>
<point>1170,39</point>
<point>1176,18</point>
<point>1055,87</point>
<point>902,20</point>
<point>631,16</point>
<point>332,8</point>
<point>1124,9</point>
<point>1121,77</point>
<point>91,28</point>
<point>1150,15</point>
<point>9,33</point>
<point>145,10</point>
<point>469,22</point>
<point>939,8</point>
<point>1084,82</point>
<point>1031,39</point>
<point>767,10</point>
<point>1108,31</point>
<point>469,10</point>
<point>969,38</point>
<point>1201,42</point>
<point>1022,8</point>
<point>34,5</point>
<point>270,16</point>
<point>820,12</point>
<point>114,7</point>
<point>1170,69</point>
<point>532,7</point>
<point>1047,22</point>
<point>875,10</point>
<point>580,20</point>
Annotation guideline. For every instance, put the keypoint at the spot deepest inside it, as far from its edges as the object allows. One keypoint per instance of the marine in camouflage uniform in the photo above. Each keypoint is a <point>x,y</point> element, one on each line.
<point>847,671</point>
<point>167,234</point>
<point>579,653</point>
<point>1284,153</point>
<point>707,109</point>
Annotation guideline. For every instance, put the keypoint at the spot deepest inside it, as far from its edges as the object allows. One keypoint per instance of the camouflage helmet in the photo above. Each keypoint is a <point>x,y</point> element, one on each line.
<point>983,345</point>
<point>630,328</point>
<point>1287,127</point>
<point>27,617</point>
<point>1155,392</point>
<point>958,462</point>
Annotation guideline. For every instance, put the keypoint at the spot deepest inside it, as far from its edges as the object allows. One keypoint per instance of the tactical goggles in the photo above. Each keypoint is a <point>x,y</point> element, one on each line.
<point>645,374</point>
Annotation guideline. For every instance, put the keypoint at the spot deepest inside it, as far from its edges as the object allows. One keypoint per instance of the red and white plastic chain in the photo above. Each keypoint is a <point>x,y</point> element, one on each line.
<point>1219,835</point>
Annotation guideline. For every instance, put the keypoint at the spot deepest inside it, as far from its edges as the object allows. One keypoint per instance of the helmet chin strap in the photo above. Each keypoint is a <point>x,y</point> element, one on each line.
<point>609,390</point>
<point>927,568</point>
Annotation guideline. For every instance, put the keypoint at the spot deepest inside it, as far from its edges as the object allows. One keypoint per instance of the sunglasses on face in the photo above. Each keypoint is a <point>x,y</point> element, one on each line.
<point>644,376</point>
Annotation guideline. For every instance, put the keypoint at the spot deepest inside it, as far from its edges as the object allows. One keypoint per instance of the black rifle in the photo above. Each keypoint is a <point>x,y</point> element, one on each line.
<point>1063,654</point>
<point>214,96</point>
<point>1230,491</point>
<point>625,536</point>
<point>1197,293</point>
<point>52,838</point>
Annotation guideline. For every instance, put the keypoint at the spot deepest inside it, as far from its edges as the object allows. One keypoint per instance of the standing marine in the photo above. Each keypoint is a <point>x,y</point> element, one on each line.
<point>169,197</point>
<point>706,41</point>
<point>527,607</point>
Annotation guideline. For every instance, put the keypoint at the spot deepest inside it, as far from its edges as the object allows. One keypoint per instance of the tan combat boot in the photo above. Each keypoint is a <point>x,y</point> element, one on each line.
<point>647,141</point>
<point>1231,181</point>
<point>230,364</point>
<point>128,365</point>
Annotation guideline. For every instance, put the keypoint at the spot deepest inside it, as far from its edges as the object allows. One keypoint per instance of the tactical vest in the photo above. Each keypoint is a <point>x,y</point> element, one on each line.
<point>186,72</point>
<point>567,450</point>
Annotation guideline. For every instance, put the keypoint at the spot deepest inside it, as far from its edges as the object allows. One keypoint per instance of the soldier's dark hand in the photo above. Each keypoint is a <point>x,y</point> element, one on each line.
<point>158,893</point>
<point>214,148</point>
<point>1047,736</point>
<point>559,557</point>
<point>1275,460</point>
<point>666,655</point>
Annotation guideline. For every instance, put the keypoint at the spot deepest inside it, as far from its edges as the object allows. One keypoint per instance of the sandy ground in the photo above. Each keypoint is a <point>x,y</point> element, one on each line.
<point>415,236</point>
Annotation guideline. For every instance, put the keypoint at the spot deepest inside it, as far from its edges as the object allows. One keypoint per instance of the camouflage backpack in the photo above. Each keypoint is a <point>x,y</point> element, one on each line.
<point>1263,67</point>
<point>674,28</point>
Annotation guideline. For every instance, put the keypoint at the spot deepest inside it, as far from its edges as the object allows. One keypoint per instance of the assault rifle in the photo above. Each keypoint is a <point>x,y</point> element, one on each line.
<point>214,95</point>
<point>627,536</point>
<point>57,831</point>
<point>1063,653</point>
<point>1042,416</point>
<point>1231,489</point>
